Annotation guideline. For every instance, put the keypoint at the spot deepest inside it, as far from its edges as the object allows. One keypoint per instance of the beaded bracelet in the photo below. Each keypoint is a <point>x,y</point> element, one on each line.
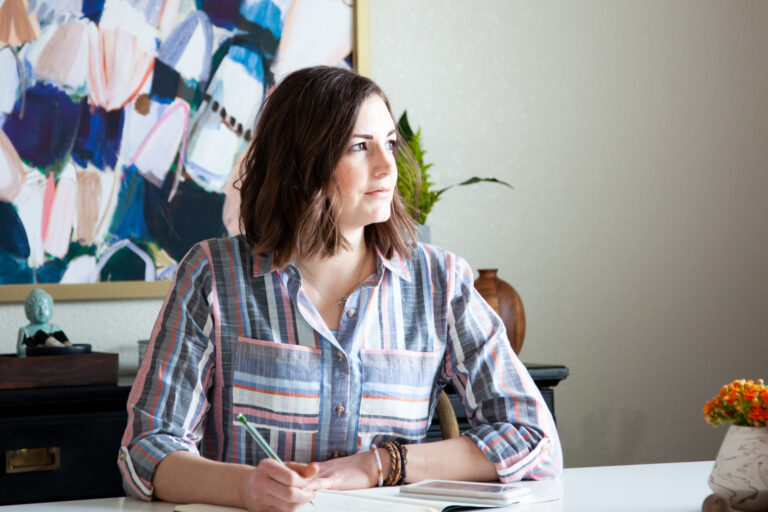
<point>395,475</point>
<point>395,465</point>
<point>378,465</point>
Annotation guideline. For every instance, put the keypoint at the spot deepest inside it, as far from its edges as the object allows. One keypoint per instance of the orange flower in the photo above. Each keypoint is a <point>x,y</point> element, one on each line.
<point>758,414</point>
<point>750,394</point>
<point>742,402</point>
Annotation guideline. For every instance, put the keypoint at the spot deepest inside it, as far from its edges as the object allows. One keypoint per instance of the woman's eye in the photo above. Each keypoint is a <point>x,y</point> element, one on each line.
<point>392,145</point>
<point>360,146</point>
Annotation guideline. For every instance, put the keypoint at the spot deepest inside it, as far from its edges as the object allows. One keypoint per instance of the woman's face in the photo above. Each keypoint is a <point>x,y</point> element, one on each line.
<point>366,174</point>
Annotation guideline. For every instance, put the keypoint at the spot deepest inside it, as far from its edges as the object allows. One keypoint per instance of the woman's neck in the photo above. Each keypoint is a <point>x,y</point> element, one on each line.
<point>347,267</point>
<point>327,281</point>
<point>345,263</point>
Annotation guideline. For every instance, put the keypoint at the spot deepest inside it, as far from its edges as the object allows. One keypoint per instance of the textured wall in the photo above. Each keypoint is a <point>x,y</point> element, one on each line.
<point>635,136</point>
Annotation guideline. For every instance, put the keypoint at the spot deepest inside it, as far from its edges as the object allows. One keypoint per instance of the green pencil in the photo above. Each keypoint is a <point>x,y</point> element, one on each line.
<point>262,442</point>
<point>259,439</point>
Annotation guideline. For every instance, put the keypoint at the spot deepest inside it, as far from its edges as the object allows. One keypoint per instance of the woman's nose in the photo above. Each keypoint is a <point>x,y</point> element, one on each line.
<point>385,160</point>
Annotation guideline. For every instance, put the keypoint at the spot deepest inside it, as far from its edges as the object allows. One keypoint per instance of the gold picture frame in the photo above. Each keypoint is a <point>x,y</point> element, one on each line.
<point>158,289</point>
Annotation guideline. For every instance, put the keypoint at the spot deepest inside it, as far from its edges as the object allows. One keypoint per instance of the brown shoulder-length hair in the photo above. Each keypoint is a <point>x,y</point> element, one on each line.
<point>287,171</point>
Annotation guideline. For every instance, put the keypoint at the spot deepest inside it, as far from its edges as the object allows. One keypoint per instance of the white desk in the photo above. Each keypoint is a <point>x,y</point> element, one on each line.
<point>676,487</point>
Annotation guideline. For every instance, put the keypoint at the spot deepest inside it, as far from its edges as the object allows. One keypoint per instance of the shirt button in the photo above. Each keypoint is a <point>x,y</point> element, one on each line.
<point>339,355</point>
<point>340,410</point>
<point>336,454</point>
<point>351,313</point>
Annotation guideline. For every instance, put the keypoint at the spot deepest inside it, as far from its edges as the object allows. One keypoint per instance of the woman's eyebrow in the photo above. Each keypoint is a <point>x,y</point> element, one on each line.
<point>370,137</point>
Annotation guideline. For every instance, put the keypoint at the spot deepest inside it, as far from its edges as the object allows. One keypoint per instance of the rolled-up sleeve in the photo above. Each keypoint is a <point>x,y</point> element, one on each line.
<point>511,423</point>
<point>168,402</point>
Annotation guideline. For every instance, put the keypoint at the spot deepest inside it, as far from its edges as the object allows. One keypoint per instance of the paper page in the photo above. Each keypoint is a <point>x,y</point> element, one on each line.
<point>370,500</point>
<point>202,507</point>
<point>331,501</point>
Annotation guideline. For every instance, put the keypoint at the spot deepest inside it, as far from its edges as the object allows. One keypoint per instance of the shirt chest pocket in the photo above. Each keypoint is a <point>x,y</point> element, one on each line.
<point>277,385</point>
<point>397,389</point>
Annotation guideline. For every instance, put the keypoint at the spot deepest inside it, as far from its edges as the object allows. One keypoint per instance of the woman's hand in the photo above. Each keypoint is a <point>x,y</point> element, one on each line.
<point>272,486</point>
<point>357,471</point>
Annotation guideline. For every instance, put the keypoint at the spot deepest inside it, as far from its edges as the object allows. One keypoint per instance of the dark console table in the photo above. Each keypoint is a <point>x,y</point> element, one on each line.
<point>72,437</point>
<point>546,377</point>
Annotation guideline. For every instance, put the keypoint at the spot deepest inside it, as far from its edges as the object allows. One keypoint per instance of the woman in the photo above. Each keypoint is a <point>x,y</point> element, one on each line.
<point>327,328</point>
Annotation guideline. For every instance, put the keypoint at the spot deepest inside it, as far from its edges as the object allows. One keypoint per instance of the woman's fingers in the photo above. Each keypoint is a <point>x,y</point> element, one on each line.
<point>277,487</point>
<point>285,475</point>
<point>288,495</point>
<point>320,483</point>
<point>313,482</point>
<point>304,470</point>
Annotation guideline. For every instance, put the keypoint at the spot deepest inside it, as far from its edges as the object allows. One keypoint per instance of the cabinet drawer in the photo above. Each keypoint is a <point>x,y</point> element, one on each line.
<point>87,444</point>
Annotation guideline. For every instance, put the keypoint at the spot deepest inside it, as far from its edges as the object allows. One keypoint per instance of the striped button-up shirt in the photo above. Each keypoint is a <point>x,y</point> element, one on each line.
<point>238,335</point>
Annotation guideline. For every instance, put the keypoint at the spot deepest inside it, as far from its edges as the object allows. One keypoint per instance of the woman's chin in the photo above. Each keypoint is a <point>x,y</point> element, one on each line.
<point>384,217</point>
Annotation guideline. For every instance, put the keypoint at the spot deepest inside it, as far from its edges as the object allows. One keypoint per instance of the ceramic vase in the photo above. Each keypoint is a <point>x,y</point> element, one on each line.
<point>503,298</point>
<point>740,474</point>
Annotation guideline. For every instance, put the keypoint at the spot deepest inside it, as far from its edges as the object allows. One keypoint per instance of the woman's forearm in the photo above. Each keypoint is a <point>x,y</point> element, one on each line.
<point>183,477</point>
<point>451,459</point>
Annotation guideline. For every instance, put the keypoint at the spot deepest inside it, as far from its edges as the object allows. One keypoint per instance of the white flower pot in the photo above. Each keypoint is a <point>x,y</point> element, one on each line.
<point>740,474</point>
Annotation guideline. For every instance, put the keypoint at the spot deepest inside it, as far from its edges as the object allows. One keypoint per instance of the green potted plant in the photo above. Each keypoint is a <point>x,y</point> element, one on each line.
<point>420,198</point>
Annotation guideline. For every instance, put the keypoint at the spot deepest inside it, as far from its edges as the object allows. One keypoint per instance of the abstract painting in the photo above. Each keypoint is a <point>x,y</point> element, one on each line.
<point>122,121</point>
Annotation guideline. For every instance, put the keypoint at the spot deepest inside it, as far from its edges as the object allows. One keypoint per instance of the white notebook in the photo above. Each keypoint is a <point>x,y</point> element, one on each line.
<point>335,501</point>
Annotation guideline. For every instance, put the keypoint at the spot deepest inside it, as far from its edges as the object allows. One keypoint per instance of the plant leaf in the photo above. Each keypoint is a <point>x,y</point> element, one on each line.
<point>475,179</point>
<point>405,126</point>
<point>421,201</point>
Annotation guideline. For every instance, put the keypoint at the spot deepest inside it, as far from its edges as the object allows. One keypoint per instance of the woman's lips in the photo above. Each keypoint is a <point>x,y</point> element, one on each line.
<point>380,193</point>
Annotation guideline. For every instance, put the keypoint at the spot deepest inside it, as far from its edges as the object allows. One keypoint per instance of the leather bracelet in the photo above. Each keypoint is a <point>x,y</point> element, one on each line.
<point>403,449</point>
<point>378,465</point>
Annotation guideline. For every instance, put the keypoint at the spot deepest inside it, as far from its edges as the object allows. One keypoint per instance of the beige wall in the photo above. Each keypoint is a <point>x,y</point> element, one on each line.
<point>636,136</point>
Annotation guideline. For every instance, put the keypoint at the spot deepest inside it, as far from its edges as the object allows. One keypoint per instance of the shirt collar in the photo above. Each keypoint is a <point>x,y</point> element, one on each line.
<point>396,264</point>
<point>263,263</point>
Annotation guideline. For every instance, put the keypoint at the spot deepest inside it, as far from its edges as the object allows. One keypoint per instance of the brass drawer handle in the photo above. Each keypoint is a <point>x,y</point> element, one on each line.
<point>32,459</point>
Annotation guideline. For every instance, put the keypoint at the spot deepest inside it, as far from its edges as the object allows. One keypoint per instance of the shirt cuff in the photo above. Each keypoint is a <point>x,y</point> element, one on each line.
<point>534,461</point>
<point>138,462</point>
